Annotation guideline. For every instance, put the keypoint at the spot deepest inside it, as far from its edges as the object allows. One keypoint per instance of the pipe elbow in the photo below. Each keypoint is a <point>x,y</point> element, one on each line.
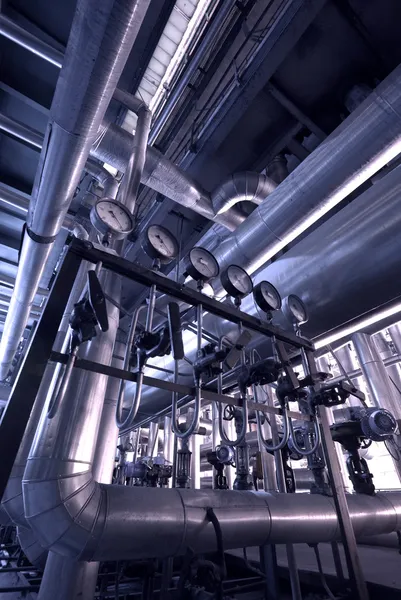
<point>243,186</point>
<point>65,512</point>
<point>13,501</point>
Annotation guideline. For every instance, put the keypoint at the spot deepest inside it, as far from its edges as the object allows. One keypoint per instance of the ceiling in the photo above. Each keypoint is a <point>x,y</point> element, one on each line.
<point>275,79</point>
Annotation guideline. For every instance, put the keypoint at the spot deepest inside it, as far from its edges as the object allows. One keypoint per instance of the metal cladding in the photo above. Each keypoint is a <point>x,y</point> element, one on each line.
<point>93,63</point>
<point>365,142</point>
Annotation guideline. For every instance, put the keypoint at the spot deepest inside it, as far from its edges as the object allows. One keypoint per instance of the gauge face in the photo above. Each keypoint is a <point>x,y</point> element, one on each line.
<point>295,310</point>
<point>110,216</point>
<point>202,266</point>
<point>160,244</point>
<point>236,282</point>
<point>267,297</point>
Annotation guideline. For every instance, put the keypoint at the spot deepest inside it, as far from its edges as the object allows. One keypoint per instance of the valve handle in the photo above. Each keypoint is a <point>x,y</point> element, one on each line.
<point>97,301</point>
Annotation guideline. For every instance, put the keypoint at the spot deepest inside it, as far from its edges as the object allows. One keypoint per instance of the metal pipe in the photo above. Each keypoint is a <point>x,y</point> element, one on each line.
<point>240,187</point>
<point>322,180</point>
<point>393,371</point>
<point>132,178</point>
<point>95,58</point>
<point>395,334</point>
<point>27,40</point>
<point>381,391</point>
<point>12,500</point>
<point>124,423</point>
<point>63,578</point>
<point>36,140</point>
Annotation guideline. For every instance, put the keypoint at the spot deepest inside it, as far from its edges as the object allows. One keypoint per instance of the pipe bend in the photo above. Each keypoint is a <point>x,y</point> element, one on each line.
<point>247,185</point>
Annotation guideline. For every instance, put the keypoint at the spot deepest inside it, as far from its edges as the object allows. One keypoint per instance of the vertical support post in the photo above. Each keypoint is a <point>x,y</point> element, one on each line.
<point>358,583</point>
<point>15,417</point>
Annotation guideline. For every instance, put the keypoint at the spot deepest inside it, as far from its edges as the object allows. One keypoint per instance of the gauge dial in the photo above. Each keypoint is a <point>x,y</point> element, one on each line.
<point>236,282</point>
<point>110,216</point>
<point>267,297</point>
<point>201,265</point>
<point>295,310</point>
<point>160,244</point>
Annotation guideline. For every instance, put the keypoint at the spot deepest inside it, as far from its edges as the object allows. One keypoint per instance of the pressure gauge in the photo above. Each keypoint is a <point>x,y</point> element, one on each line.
<point>295,310</point>
<point>236,282</point>
<point>109,216</point>
<point>160,244</point>
<point>201,265</point>
<point>267,297</point>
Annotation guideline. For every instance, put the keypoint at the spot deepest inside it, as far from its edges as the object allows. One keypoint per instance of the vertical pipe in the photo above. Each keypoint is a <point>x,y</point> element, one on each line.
<point>395,334</point>
<point>79,579</point>
<point>349,364</point>
<point>381,391</point>
<point>393,371</point>
<point>267,460</point>
<point>292,563</point>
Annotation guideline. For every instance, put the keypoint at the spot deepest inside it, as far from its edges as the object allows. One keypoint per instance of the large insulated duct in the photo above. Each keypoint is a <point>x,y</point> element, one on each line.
<point>364,143</point>
<point>93,63</point>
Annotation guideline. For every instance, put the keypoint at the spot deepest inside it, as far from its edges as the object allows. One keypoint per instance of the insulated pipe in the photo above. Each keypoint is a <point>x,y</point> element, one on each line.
<point>35,139</point>
<point>63,578</point>
<point>395,334</point>
<point>94,60</point>
<point>114,145</point>
<point>393,371</point>
<point>328,175</point>
<point>240,187</point>
<point>132,178</point>
<point>12,501</point>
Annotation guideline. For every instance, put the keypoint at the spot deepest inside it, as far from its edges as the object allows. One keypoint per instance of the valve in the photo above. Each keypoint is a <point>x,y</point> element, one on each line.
<point>223,456</point>
<point>88,313</point>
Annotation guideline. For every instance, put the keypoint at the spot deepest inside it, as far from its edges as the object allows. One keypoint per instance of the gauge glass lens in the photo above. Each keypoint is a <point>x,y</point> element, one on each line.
<point>270,295</point>
<point>162,241</point>
<point>114,216</point>
<point>297,308</point>
<point>204,263</point>
<point>240,279</point>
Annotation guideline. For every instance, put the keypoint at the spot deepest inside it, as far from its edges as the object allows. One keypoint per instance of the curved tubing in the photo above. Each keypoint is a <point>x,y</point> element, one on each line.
<point>316,445</point>
<point>183,435</point>
<point>195,419</point>
<point>286,431</point>
<point>125,423</point>
<point>223,435</point>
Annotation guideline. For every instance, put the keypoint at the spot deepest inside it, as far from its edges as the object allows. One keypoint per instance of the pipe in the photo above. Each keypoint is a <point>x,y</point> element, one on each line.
<point>30,546</point>
<point>93,63</point>
<point>381,391</point>
<point>12,501</point>
<point>114,146</point>
<point>132,178</point>
<point>395,334</point>
<point>327,176</point>
<point>240,187</point>
<point>65,579</point>
<point>393,371</point>
<point>27,40</point>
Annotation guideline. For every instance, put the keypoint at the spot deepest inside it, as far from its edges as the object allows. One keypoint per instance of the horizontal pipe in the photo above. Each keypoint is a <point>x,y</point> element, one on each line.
<point>328,175</point>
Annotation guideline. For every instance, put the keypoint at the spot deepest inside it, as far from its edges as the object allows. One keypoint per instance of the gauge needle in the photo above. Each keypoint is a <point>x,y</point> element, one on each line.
<point>114,217</point>
<point>202,262</point>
